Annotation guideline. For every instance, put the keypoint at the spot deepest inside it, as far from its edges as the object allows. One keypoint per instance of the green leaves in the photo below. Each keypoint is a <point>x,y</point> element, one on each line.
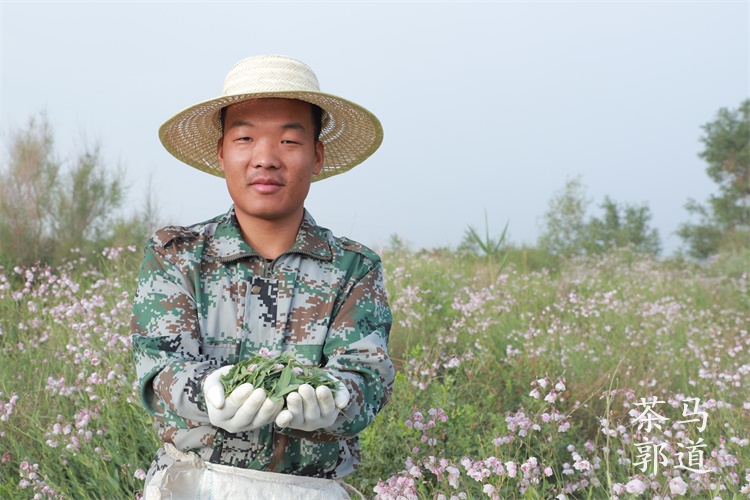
<point>490,247</point>
<point>726,217</point>
<point>278,375</point>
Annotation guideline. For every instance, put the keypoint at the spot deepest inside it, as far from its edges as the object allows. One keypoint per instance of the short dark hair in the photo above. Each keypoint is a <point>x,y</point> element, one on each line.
<point>317,116</point>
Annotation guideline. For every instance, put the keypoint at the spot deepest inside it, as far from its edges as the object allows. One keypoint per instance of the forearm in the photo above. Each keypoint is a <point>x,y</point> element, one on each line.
<point>167,343</point>
<point>356,352</point>
<point>170,385</point>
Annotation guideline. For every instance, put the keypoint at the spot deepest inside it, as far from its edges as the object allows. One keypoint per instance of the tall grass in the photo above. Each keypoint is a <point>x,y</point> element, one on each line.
<point>526,384</point>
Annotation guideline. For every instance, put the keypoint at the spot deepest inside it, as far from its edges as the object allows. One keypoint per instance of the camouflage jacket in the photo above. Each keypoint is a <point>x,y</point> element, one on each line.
<point>205,299</point>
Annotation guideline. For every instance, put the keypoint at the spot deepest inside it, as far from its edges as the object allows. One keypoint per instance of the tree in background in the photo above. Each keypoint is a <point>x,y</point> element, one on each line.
<point>622,225</point>
<point>567,232</point>
<point>26,196</point>
<point>84,201</point>
<point>564,221</point>
<point>47,210</point>
<point>725,220</point>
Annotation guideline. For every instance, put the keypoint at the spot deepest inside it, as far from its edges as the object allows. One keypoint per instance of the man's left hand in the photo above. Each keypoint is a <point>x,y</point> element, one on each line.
<point>311,409</point>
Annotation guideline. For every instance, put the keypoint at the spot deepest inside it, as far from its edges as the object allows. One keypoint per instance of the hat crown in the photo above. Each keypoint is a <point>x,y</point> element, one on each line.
<point>270,73</point>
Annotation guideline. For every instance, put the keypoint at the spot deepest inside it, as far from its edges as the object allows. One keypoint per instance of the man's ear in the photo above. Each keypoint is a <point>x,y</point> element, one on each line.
<point>220,152</point>
<point>319,155</point>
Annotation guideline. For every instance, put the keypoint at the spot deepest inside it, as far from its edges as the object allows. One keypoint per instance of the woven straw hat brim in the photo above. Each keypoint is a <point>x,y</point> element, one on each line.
<point>350,132</point>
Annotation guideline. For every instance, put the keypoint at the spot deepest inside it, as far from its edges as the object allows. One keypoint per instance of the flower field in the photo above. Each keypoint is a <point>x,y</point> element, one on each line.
<point>616,376</point>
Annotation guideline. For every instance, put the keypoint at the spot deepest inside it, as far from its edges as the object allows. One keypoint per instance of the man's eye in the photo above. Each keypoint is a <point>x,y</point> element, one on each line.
<point>244,139</point>
<point>287,141</point>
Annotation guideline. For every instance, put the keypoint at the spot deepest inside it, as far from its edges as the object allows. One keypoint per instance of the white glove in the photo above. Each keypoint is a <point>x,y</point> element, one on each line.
<point>244,409</point>
<point>311,409</point>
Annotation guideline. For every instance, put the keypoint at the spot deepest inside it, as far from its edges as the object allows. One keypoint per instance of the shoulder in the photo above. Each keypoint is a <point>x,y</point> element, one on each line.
<point>346,252</point>
<point>169,235</point>
<point>171,239</point>
<point>349,245</point>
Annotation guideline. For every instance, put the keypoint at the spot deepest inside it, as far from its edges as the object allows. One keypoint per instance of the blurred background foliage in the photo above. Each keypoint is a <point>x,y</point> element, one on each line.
<point>50,206</point>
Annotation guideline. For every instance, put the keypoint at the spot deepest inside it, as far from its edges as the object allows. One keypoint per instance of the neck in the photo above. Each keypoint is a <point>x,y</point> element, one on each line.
<point>270,238</point>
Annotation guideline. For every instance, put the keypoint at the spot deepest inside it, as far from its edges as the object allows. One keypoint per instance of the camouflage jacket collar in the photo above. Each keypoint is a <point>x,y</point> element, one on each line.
<point>229,245</point>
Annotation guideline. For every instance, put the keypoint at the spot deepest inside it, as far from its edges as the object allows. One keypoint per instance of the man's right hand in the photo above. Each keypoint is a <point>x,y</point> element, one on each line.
<point>243,410</point>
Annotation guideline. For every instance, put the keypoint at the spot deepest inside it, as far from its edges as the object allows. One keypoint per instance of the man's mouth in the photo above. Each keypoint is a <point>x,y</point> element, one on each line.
<point>266,185</point>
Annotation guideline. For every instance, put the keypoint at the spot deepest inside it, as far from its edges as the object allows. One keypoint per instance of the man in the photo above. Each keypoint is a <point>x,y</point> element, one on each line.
<point>261,278</point>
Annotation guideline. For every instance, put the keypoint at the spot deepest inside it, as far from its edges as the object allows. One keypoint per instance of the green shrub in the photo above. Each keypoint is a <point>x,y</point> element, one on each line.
<point>49,207</point>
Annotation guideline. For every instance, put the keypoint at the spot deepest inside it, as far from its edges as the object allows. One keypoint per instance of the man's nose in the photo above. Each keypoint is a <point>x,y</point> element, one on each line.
<point>265,155</point>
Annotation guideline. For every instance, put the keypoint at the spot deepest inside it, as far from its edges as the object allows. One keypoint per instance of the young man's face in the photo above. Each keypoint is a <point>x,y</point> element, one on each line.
<point>268,155</point>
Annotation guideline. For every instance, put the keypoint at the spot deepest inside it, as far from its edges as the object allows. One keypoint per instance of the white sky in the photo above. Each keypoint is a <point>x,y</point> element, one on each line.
<point>485,106</point>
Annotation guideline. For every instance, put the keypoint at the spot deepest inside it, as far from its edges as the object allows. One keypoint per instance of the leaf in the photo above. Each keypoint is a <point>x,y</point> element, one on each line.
<point>260,380</point>
<point>286,377</point>
<point>276,382</point>
<point>288,389</point>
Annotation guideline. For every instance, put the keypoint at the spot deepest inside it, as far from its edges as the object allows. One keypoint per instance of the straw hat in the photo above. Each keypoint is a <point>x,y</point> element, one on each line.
<point>350,132</point>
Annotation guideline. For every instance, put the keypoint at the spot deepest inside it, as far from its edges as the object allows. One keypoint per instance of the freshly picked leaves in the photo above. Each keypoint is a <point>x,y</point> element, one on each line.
<point>278,375</point>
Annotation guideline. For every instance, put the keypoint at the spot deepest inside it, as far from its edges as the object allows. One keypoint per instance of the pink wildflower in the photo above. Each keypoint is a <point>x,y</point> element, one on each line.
<point>635,486</point>
<point>511,468</point>
<point>453,474</point>
<point>677,486</point>
<point>582,465</point>
<point>6,409</point>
